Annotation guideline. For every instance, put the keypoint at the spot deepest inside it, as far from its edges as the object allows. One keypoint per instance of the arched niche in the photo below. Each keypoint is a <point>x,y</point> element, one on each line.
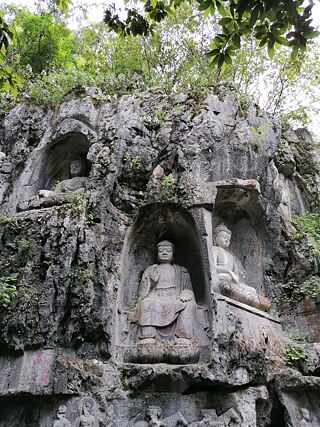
<point>58,156</point>
<point>154,223</point>
<point>239,209</point>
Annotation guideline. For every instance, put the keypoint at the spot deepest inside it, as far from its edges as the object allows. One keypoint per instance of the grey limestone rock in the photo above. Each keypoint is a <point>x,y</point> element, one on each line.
<point>73,251</point>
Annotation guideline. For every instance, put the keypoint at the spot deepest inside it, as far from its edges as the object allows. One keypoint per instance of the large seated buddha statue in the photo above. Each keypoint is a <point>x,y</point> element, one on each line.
<point>231,275</point>
<point>168,310</point>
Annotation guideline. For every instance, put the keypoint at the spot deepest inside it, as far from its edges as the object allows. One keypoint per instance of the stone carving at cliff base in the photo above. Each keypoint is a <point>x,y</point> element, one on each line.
<point>75,184</point>
<point>61,415</point>
<point>86,419</point>
<point>168,316</point>
<point>230,273</point>
<point>155,419</point>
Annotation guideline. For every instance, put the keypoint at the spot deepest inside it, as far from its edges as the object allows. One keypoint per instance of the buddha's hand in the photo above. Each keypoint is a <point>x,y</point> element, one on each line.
<point>154,274</point>
<point>186,296</point>
<point>234,277</point>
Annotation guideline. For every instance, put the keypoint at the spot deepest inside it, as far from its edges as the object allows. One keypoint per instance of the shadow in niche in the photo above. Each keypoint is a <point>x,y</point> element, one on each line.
<point>277,415</point>
<point>155,223</point>
<point>21,411</point>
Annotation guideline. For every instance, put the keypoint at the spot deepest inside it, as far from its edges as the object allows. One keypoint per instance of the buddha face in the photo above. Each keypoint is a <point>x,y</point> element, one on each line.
<point>223,239</point>
<point>61,412</point>
<point>165,253</point>
<point>76,168</point>
<point>87,408</point>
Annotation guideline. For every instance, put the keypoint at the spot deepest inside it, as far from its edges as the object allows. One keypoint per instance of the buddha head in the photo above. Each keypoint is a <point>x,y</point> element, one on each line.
<point>77,167</point>
<point>165,252</point>
<point>222,236</point>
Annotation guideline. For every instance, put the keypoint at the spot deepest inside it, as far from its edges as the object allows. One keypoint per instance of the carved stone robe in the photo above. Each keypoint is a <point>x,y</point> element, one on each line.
<point>162,305</point>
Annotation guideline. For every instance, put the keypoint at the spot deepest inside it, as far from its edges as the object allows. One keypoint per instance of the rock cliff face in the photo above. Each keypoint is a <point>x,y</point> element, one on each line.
<point>73,250</point>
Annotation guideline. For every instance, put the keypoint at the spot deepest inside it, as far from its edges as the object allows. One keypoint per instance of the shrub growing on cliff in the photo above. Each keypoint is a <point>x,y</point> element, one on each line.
<point>295,355</point>
<point>8,289</point>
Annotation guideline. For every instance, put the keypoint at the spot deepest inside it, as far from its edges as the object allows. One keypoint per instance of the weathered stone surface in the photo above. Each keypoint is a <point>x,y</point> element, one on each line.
<point>158,168</point>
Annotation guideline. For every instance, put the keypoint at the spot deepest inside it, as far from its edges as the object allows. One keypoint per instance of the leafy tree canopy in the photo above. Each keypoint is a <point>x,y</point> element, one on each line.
<point>272,22</point>
<point>9,80</point>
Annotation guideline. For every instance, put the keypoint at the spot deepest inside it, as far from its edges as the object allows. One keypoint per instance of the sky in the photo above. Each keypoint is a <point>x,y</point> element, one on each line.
<point>97,8</point>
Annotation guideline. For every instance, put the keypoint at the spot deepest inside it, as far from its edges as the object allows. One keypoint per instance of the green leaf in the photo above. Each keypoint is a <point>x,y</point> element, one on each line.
<point>220,60</point>
<point>221,8</point>
<point>213,52</point>
<point>312,35</point>
<point>254,16</point>
<point>270,50</point>
<point>63,5</point>
<point>227,59</point>
<point>231,50</point>
<point>153,3</point>
<point>204,5</point>
<point>294,52</point>
<point>207,12</point>
<point>263,41</point>
<point>282,40</point>
<point>236,41</point>
<point>224,21</point>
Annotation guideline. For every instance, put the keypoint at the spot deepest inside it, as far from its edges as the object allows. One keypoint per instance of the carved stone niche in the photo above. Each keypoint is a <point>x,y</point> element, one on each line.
<point>164,299</point>
<point>218,408</point>
<point>240,268</point>
<point>59,170</point>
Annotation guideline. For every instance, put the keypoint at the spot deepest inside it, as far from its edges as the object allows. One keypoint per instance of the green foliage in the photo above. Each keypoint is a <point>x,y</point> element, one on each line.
<point>136,299</point>
<point>171,57</point>
<point>168,188</point>
<point>310,224</point>
<point>293,292</point>
<point>295,355</point>
<point>80,274</point>
<point>89,218</point>
<point>42,41</point>
<point>6,218</point>
<point>134,162</point>
<point>8,289</point>
<point>75,198</point>
<point>272,23</point>
<point>9,80</point>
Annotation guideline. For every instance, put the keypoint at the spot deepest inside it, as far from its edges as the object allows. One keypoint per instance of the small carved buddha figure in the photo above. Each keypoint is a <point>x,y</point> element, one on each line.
<point>77,179</point>
<point>86,419</point>
<point>76,183</point>
<point>154,419</point>
<point>61,415</point>
<point>169,310</point>
<point>230,275</point>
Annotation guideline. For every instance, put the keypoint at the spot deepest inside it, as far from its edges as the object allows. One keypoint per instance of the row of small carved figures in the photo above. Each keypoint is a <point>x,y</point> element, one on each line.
<point>153,418</point>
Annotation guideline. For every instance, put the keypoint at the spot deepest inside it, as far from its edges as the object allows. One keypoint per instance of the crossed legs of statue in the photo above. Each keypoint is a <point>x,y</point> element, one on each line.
<point>181,330</point>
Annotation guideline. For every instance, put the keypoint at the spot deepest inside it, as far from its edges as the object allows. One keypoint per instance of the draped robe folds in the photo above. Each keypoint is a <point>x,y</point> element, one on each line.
<point>162,306</point>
